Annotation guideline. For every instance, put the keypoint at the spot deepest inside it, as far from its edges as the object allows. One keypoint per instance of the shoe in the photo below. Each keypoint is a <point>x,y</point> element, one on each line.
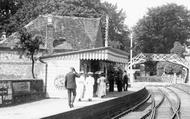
<point>72,105</point>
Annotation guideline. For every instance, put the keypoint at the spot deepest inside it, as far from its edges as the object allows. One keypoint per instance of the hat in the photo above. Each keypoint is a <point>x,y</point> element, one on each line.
<point>72,68</point>
<point>98,72</point>
<point>81,72</point>
<point>90,73</point>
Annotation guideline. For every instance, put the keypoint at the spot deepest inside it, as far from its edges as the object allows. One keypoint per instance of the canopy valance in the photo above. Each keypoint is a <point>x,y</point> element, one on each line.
<point>102,53</point>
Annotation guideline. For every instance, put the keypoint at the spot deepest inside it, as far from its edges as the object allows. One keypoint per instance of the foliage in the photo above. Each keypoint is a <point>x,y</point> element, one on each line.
<point>161,27</point>
<point>29,44</point>
<point>178,49</point>
<point>160,68</point>
<point>150,67</point>
<point>171,68</point>
<point>7,9</point>
<point>118,31</point>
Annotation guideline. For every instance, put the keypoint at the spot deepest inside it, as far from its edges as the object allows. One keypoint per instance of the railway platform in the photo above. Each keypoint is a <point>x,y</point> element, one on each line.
<point>48,107</point>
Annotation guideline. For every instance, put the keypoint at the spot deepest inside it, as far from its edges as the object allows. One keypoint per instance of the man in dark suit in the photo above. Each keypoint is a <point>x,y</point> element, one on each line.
<point>70,85</point>
<point>125,81</point>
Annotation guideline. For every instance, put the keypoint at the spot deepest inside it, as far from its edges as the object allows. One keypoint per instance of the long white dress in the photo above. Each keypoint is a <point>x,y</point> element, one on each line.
<point>80,87</point>
<point>89,83</point>
<point>101,86</point>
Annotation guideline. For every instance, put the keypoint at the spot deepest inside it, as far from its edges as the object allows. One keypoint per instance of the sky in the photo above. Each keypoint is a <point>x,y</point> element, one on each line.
<point>136,9</point>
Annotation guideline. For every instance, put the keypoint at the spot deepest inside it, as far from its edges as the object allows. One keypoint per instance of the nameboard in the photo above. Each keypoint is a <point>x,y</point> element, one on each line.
<point>21,87</point>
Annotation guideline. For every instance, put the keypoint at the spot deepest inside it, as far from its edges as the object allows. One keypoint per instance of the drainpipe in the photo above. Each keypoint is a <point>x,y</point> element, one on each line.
<point>45,74</point>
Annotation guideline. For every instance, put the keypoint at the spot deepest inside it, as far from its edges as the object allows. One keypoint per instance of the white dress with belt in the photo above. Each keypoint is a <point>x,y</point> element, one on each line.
<point>89,83</point>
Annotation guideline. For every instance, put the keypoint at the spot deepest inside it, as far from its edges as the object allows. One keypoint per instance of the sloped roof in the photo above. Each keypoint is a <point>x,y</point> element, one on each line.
<point>79,33</point>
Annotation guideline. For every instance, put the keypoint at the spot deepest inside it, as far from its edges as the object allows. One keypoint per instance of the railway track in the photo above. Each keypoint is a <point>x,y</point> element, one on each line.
<point>174,102</point>
<point>165,103</point>
<point>185,102</point>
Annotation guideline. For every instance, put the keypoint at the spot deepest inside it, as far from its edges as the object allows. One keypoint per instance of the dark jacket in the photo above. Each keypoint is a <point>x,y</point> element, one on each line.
<point>125,78</point>
<point>70,81</point>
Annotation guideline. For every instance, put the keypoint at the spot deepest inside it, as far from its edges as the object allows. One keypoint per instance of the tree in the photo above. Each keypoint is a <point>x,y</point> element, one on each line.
<point>172,68</point>
<point>178,49</point>
<point>28,11</point>
<point>8,8</point>
<point>29,44</point>
<point>161,27</point>
<point>118,31</point>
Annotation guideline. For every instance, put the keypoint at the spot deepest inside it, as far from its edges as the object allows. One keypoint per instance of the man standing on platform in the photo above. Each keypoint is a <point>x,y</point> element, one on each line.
<point>111,80</point>
<point>118,79</point>
<point>125,81</point>
<point>70,85</point>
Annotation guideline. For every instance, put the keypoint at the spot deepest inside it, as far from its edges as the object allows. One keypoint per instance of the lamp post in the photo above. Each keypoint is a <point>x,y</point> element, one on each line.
<point>131,56</point>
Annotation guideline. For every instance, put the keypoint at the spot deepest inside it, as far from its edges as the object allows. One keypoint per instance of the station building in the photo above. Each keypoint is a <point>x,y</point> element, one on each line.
<point>69,41</point>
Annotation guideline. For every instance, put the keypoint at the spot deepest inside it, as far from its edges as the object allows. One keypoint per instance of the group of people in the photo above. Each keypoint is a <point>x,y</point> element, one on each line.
<point>118,77</point>
<point>81,86</point>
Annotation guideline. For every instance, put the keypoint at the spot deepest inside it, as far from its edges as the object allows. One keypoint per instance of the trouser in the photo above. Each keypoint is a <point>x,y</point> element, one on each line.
<point>111,86</point>
<point>119,86</point>
<point>71,95</point>
<point>125,86</point>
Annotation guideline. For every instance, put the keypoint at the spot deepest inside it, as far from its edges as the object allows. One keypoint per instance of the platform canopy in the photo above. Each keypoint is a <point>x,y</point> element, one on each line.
<point>102,53</point>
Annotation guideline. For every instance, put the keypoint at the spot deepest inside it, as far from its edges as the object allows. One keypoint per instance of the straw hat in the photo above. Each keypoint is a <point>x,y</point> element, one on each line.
<point>81,72</point>
<point>98,72</point>
<point>90,73</point>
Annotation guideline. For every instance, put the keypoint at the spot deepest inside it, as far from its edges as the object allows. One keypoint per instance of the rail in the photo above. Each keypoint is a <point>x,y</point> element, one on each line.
<point>153,114</point>
<point>132,108</point>
<point>177,109</point>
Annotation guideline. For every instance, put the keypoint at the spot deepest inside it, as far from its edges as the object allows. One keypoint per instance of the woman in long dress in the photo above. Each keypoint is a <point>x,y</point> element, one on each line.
<point>89,84</point>
<point>101,86</point>
<point>80,86</point>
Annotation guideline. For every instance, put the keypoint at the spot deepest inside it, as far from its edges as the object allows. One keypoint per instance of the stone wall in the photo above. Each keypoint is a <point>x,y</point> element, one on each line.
<point>13,67</point>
